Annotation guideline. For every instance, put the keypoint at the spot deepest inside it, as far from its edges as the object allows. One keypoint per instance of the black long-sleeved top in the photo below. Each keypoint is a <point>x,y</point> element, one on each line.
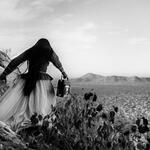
<point>38,60</point>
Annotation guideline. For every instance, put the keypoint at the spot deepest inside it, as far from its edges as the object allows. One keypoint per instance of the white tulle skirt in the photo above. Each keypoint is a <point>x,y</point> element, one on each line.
<point>17,107</point>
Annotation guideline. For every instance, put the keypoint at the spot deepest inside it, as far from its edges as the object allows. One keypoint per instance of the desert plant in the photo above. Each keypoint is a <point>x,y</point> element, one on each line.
<point>83,123</point>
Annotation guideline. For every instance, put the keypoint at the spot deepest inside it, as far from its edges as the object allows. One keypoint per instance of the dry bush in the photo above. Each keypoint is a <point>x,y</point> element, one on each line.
<point>83,123</point>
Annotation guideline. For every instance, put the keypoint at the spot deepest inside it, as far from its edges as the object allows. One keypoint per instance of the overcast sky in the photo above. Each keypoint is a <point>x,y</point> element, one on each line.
<point>107,37</point>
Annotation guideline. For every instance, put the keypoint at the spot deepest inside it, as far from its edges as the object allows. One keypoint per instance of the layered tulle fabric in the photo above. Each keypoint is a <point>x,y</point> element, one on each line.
<point>17,107</point>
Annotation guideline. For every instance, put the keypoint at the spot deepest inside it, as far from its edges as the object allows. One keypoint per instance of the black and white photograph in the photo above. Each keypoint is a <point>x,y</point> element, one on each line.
<point>74,75</point>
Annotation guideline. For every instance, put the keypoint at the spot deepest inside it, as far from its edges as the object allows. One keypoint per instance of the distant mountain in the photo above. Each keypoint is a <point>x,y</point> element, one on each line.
<point>89,77</point>
<point>96,79</point>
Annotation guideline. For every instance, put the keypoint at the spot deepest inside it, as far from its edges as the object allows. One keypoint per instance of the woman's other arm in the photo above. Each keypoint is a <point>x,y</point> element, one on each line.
<point>56,62</point>
<point>13,64</point>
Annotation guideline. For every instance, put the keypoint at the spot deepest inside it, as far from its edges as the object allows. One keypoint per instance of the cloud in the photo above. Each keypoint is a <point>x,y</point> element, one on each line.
<point>138,40</point>
<point>8,11</point>
<point>112,29</point>
<point>88,26</point>
<point>24,10</point>
<point>36,8</point>
<point>25,16</point>
<point>89,2</point>
<point>80,37</point>
<point>41,8</point>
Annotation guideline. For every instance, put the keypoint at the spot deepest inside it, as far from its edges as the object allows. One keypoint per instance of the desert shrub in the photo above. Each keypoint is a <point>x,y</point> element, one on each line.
<point>83,123</point>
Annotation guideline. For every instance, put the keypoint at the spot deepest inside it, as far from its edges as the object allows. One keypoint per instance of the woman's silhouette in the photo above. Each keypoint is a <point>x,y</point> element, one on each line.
<point>33,91</point>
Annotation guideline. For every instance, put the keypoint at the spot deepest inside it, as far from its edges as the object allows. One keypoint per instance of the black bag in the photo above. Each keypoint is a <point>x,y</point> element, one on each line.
<point>60,87</point>
<point>63,87</point>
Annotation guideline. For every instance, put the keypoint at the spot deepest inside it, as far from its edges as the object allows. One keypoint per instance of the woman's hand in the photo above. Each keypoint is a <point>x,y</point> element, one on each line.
<point>3,78</point>
<point>64,75</point>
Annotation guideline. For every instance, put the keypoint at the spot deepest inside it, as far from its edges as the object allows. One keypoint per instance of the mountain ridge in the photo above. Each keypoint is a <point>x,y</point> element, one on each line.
<point>91,78</point>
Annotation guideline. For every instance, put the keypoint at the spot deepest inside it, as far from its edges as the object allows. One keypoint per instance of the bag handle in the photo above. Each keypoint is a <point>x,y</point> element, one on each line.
<point>64,78</point>
<point>61,77</point>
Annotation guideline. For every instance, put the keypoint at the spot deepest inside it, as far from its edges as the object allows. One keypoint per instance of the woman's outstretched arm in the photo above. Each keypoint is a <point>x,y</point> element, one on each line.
<point>56,62</point>
<point>13,64</point>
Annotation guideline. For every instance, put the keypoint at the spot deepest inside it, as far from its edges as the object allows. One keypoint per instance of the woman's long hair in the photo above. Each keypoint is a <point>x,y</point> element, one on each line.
<point>39,53</point>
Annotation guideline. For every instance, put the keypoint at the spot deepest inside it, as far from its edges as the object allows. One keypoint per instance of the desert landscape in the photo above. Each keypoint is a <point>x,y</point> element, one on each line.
<point>131,94</point>
<point>100,113</point>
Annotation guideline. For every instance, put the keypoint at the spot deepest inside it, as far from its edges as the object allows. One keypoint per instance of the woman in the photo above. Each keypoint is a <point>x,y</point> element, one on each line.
<point>33,91</point>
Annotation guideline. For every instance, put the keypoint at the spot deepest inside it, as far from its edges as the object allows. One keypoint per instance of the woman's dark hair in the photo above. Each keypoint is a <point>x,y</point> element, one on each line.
<point>38,54</point>
<point>43,42</point>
